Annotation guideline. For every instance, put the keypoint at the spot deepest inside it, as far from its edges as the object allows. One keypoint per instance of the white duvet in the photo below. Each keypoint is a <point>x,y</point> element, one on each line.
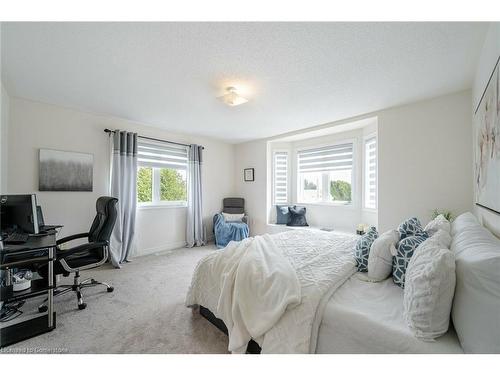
<point>274,288</point>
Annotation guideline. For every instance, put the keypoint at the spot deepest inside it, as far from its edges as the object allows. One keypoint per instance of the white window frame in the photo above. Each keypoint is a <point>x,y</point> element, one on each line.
<point>149,162</point>
<point>365,171</point>
<point>275,151</point>
<point>155,194</point>
<point>324,180</point>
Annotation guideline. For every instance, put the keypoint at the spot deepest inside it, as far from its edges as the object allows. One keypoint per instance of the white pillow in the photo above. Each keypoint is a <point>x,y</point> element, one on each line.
<point>443,238</point>
<point>380,257</point>
<point>440,222</point>
<point>476,307</point>
<point>466,220</point>
<point>233,217</point>
<point>429,290</point>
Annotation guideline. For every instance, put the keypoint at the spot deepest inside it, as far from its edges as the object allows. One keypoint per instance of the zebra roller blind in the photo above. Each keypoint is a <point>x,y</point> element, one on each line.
<point>280,179</point>
<point>161,155</point>
<point>371,172</point>
<point>325,159</point>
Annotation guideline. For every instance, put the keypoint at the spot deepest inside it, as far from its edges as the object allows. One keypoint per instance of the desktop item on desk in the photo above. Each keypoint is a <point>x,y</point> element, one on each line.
<point>19,211</point>
<point>18,217</point>
<point>21,218</point>
<point>42,227</point>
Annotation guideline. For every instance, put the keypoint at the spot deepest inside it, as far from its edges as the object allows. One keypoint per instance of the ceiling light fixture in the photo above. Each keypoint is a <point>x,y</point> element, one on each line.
<point>232,98</point>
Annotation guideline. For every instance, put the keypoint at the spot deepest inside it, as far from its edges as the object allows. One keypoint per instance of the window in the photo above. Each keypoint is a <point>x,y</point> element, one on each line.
<point>370,180</point>
<point>325,174</point>
<point>161,174</point>
<point>280,177</point>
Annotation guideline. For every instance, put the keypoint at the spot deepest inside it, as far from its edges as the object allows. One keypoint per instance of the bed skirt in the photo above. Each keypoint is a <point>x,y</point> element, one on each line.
<point>252,348</point>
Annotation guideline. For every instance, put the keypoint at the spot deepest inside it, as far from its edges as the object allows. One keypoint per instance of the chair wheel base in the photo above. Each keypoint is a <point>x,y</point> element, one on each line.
<point>42,309</point>
<point>82,306</point>
<point>110,289</point>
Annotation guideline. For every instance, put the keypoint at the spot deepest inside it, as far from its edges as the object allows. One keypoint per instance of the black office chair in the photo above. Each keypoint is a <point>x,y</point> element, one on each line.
<point>86,256</point>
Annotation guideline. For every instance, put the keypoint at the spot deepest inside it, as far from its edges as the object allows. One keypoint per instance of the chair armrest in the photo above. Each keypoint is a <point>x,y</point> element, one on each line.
<point>245,219</point>
<point>71,238</point>
<point>61,254</point>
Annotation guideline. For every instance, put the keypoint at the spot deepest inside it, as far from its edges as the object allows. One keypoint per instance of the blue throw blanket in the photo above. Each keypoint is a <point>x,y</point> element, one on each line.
<point>226,232</point>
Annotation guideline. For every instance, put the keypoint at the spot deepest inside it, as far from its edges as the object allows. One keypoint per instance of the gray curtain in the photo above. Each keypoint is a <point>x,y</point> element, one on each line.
<point>124,187</point>
<point>195,231</point>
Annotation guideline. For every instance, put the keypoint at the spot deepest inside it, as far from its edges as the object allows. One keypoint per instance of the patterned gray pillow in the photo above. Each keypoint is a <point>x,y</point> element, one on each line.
<point>282,214</point>
<point>297,216</point>
<point>406,248</point>
<point>362,249</point>
<point>410,227</point>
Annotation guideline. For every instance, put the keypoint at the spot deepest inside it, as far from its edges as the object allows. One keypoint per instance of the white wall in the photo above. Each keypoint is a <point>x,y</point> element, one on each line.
<point>4,120</point>
<point>487,60</point>
<point>424,162</point>
<point>4,134</point>
<point>424,159</point>
<point>35,125</point>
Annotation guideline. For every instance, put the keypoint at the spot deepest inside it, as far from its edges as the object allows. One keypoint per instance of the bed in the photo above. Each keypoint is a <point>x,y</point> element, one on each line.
<point>364,317</point>
<point>329,307</point>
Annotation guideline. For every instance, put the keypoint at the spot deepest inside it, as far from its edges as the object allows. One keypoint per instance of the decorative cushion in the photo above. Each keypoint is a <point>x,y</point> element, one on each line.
<point>410,227</point>
<point>440,222</point>
<point>380,257</point>
<point>233,217</point>
<point>282,214</point>
<point>405,249</point>
<point>297,217</point>
<point>476,306</point>
<point>429,289</point>
<point>462,222</point>
<point>443,238</point>
<point>362,249</point>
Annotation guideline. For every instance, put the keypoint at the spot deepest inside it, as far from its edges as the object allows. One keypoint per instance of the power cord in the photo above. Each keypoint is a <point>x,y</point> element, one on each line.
<point>11,311</point>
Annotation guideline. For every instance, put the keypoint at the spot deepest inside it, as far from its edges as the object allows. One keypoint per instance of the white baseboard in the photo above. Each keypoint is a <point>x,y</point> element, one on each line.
<point>166,247</point>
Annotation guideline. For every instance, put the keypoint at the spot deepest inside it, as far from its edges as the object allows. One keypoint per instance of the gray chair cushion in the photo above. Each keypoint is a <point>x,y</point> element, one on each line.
<point>233,205</point>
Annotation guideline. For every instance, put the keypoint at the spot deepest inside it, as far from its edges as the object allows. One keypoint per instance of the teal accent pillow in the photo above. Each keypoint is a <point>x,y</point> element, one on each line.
<point>282,214</point>
<point>410,227</point>
<point>362,249</point>
<point>406,248</point>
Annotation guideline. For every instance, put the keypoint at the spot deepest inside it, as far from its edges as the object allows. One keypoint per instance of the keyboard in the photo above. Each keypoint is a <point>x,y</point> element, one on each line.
<point>16,238</point>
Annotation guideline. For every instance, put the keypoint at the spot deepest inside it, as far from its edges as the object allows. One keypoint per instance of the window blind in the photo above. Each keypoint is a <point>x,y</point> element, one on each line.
<point>280,164</point>
<point>371,172</point>
<point>325,159</point>
<point>161,155</point>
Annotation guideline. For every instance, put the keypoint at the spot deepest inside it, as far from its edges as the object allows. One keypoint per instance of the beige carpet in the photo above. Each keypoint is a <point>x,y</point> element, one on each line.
<point>145,313</point>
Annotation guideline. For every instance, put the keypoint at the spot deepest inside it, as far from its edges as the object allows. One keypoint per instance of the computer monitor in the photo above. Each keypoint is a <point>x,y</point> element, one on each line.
<point>18,212</point>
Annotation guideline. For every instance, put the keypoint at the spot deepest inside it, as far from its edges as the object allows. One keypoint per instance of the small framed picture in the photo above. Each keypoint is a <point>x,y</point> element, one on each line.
<point>249,174</point>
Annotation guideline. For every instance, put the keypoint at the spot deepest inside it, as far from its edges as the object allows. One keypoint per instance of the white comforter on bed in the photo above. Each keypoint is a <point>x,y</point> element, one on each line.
<point>252,286</point>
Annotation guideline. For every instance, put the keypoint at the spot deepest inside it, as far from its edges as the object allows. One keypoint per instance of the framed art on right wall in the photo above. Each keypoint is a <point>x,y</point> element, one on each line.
<point>487,145</point>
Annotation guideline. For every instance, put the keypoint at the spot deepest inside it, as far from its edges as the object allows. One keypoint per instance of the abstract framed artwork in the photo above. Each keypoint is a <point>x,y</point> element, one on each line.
<point>248,174</point>
<point>487,145</point>
<point>65,171</point>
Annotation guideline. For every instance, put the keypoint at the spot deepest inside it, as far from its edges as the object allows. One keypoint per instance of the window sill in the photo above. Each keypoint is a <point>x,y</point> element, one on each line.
<point>326,204</point>
<point>160,206</point>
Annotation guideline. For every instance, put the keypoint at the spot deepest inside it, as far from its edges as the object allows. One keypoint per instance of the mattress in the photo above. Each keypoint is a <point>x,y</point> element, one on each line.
<point>366,317</point>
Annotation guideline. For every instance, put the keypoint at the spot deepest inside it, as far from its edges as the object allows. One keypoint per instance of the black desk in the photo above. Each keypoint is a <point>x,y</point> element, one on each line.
<point>38,249</point>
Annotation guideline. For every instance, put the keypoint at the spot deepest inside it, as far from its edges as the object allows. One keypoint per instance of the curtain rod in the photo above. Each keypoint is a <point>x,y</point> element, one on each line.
<point>154,139</point>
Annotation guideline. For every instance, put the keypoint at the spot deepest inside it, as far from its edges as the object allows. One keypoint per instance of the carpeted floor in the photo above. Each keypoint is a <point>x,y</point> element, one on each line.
<point>144,314</point>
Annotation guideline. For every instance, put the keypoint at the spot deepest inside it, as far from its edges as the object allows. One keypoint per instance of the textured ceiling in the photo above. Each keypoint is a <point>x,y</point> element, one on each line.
<point>296,75</point>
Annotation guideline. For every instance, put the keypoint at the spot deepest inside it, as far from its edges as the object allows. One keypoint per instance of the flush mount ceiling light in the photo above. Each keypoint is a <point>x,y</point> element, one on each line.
<point>232,98</point>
